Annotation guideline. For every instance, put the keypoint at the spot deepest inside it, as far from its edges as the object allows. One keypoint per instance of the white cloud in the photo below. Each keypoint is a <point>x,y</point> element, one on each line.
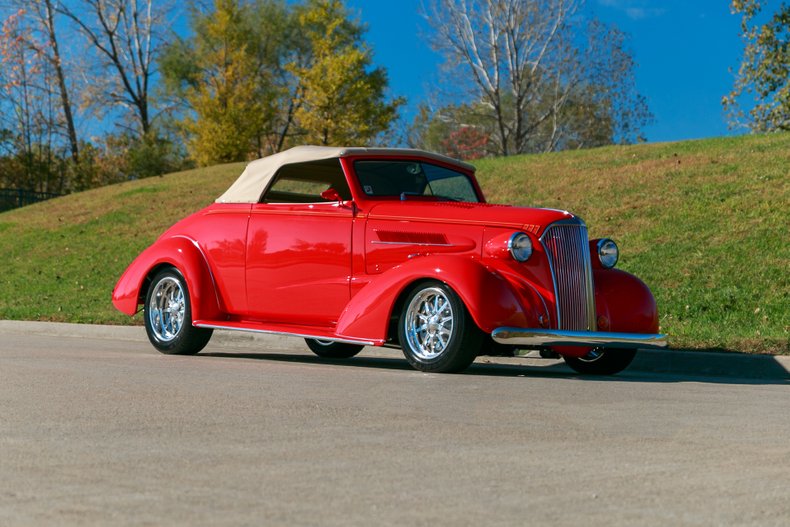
<point>640,13</point>
<point>634,9</point>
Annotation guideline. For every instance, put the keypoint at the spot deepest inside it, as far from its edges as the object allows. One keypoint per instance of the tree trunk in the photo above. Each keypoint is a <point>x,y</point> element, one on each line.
<point>64,94</point>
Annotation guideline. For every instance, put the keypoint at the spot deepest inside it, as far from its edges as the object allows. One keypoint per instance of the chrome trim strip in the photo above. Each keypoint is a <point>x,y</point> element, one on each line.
<point>592,317</point>
<point>287,334</point>
<point>553,277</point>
<point>597,339</point>
<point>585,256</point>
<point>377,242</point>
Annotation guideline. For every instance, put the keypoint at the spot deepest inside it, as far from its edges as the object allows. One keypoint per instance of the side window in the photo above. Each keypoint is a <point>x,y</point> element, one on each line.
<point>448,184</point>
<point>304,182</point>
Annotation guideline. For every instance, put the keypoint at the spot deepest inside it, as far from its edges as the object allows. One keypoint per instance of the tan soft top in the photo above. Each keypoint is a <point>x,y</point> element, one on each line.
<point>256,176</point>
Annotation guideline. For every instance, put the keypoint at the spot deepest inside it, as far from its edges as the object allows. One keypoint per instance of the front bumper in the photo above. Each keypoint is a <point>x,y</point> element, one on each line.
<point>595,339</point>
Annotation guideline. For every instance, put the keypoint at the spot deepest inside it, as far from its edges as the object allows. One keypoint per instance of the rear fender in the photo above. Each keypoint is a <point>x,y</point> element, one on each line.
<point>489,298</point>
<point>179,252</point>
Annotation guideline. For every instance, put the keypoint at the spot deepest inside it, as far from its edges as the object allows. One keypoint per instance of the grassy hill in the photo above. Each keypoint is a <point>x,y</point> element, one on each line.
<point>704,223</point>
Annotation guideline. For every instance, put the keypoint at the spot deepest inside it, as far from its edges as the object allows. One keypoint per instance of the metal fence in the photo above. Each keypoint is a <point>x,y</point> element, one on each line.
<point>12,198</point>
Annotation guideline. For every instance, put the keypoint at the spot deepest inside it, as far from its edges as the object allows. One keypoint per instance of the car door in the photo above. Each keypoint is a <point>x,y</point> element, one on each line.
<point>299,247</point>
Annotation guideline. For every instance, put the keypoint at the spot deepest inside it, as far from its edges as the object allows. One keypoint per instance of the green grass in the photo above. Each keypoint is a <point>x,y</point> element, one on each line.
<point>702,222</point>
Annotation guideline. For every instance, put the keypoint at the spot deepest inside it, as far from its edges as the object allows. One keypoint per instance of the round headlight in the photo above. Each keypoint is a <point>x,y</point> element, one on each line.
<point>608,253</point>
<point>520,246</point>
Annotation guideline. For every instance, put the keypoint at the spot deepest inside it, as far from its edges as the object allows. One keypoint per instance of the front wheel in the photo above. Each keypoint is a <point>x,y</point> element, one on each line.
<point>333,350</point>
<point>435,330</point>
<point>602,362</point>
<point>168,316</point>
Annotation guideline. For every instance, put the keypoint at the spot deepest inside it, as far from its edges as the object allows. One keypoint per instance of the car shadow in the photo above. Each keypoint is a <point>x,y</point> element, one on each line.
<point>489,367</point>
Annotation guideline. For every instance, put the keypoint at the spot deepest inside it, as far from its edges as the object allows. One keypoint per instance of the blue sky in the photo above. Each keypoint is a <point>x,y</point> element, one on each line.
<point>684,49</point>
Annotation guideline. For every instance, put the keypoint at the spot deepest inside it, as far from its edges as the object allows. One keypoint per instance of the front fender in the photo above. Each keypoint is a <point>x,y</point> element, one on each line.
<point>182,253</point>
<point>489,298</point>
<point>625,302</point>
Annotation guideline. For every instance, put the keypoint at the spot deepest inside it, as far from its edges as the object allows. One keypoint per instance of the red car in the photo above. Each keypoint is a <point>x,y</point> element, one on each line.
<point>353,247</point>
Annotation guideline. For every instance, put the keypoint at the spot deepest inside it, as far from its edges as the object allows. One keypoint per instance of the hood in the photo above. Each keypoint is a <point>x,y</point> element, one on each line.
<point>480,214</point>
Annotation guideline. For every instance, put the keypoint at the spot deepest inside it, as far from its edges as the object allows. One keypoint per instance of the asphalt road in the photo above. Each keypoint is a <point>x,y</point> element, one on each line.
<point>106,431</point>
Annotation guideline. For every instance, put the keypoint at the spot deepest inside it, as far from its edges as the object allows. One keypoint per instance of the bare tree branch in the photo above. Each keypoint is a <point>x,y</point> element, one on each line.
<point>504,44</point>
<point>122,32</point>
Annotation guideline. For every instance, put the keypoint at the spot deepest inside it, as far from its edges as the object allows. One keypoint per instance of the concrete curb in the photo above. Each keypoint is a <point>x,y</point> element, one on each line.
<point>678,362</point>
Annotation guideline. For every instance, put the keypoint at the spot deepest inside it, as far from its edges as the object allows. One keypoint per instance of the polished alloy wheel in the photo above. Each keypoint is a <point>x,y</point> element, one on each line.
<point>429,323</point>
<point>167,309</point>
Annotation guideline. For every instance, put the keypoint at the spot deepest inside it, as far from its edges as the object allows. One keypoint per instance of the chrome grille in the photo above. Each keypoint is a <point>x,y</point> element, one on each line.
<point>568,251</point>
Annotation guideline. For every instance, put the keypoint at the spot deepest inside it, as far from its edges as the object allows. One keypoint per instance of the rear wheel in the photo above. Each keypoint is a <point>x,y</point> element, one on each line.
<point>168,316</point>
<point>435,330</point>
<point>602,362</point>
<point>332,350</point>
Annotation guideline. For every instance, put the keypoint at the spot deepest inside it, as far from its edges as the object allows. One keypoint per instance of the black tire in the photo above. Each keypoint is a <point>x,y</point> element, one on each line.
<point>171,330</point>
<point>433,316</point>
<point>602,362</point>
<point>333,350</point>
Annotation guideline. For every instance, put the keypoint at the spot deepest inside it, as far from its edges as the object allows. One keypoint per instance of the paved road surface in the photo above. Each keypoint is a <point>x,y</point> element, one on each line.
<point>105,431</point>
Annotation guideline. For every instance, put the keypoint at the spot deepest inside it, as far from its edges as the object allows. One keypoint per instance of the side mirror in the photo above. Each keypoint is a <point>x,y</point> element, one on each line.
<point>331,194</point>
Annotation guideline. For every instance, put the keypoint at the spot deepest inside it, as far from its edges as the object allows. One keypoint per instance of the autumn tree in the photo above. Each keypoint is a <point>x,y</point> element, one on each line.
<point>259,76</point>
<point>764,74</point>
<point>343,96</point>
<point>29,120</point>
<point>223,78</point>
<point>238,57</point>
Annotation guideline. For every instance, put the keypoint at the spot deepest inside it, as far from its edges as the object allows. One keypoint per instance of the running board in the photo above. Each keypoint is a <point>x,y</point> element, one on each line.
<point>275,329</point>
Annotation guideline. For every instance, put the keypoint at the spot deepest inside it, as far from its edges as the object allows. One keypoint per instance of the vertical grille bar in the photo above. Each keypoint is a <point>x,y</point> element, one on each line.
<point>568,250</point>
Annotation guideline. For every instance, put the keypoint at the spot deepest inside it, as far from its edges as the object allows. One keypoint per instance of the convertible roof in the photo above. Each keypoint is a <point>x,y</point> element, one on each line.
<point>256,176</point>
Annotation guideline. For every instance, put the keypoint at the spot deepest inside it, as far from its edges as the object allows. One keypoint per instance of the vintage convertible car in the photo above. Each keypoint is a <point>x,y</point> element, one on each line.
<point>353,247</point>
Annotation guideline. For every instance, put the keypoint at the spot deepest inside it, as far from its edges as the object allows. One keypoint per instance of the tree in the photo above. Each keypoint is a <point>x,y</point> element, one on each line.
<point>541,78</point>
<point>259,76</point>
<point>220,74</point>
<point>43,12</point>
<point>270,40</point>
<point>764,73</point>
<point>29,118</point>
<point>503,45</point>
<point>601,104</point>
<point>123,33</point>
<point>343,99</point>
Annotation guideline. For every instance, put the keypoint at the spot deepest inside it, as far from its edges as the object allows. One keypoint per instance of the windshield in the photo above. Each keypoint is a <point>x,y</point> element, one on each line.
<point>406,179</point>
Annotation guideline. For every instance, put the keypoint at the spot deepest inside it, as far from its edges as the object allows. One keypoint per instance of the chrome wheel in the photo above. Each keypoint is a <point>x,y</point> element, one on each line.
<point>167,309</point>
<point>593,355</point>
<point>429,323</point>
<point>599,361</point>
<point>330,349</point>
<point>168,315</point>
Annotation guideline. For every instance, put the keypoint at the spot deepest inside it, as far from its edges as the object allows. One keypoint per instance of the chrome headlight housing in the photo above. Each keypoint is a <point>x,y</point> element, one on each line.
<point>520,246</point>
<point>608,253</point>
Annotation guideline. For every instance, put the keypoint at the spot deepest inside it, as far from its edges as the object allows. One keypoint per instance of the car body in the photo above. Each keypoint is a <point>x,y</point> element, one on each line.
<point>353,247</point>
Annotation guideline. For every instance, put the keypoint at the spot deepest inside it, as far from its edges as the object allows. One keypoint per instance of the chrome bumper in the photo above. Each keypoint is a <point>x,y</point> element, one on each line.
<point>597,339</point>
